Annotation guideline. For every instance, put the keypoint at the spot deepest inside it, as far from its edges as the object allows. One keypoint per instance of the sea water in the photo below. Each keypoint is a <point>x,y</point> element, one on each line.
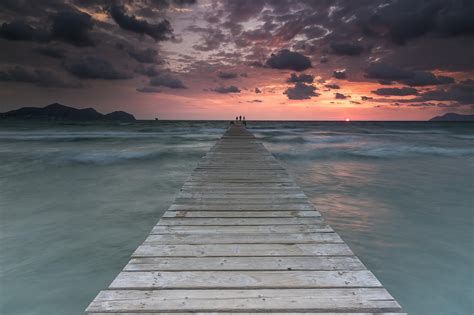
<point>76,199</point>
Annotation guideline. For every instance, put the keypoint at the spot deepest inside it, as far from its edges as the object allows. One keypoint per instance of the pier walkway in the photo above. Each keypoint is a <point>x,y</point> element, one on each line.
<point>242,237</point>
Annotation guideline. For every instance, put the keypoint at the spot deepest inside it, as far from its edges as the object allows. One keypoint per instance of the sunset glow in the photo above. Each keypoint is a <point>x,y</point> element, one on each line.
<point>206,59</point>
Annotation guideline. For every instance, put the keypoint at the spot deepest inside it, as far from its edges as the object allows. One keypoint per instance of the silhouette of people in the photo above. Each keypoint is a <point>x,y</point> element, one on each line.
<point>240,118</point>
<point>244,122</point>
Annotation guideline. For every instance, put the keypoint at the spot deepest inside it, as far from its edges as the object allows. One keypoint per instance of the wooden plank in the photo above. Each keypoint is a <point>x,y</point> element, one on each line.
<point>257,300</point>
<point>245,263</point>
<point>244,238</point>
<point>240,214</point>
<point>241,201</point>
<point>240,221</point>
<point>167,229</point>
<point>250,250</point>
<point>243,207</point>
<point>282,279</point>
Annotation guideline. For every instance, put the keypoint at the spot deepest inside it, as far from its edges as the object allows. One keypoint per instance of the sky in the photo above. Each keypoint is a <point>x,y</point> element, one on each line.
<point>265,59</point>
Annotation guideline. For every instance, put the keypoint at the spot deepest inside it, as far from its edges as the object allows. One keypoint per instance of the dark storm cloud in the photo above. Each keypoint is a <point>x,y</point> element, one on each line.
<point>461,93</point>
<point>243,10</point>
<point>39,77</point>
<point>389,73</point>
<point>301,91</point>
<point>148,89</point>
<point>286,59</point>
<point>306,78</point>
<point>226,89</point>
<point>167,80</point>
<point>348,49</point>
<point>52,52</point>
<point>340,74</point>
<point>340,96</point>
<point>405,20</point>
<point>385,82</point>
<point>332,86</point>
<point>227,75</point>
<point>149,71</point>
<point>426,78</point>
<point>20,30</point>
<point>147,55</point>
<point>379,70</point>
<point>72,27</point>
<point>159,32</point>
<point>94,68</point>
<point>396,91</point>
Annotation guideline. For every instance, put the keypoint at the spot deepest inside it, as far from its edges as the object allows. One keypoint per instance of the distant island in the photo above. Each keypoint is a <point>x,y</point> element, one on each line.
<point>453,117</point>
<point>58,111</point>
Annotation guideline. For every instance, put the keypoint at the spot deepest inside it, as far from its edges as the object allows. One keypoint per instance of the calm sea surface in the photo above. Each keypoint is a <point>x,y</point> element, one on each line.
<point>77,199</point>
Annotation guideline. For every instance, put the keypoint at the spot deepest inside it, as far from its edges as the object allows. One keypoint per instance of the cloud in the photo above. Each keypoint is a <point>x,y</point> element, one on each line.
<point>255,101</point>
<point>167,80</point>
<point>332,86</point>
<point>300,91</point>
<point>72,27</point>
<point>147,55</point>
<point>347,49</point>
<point>286,59</point>
<point>405,20</point>
<point>52,52</point>
<point>396,91</point>
<point>20,30</point>
<point>94,68</point>
<point>383,71</point>
<point>149,71</point>
<point>211,38</point>
<point>366,98</point>
<point>39,77</point>
<point>159,32</point>
<point>323,59</point>
<point>426,78</point>
<point>243,10</point>
<point>227,89</point>
<point>389,73</point>
<point>68,26</point>
<point>227,75</point>
<point>340,96</point>
<point>257,90</point>
<point>339,74</point>
<point>385,82</point>
<point>148,89</point>
<point>461,93</point>
<point>306,78</point>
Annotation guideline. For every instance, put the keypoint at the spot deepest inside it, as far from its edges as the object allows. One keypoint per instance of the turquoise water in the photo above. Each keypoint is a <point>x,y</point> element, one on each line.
<point>77,199</point>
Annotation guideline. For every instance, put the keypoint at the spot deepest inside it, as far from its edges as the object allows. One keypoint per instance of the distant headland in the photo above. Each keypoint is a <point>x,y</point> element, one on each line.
<point>453,117</point>
<point>58,111</point>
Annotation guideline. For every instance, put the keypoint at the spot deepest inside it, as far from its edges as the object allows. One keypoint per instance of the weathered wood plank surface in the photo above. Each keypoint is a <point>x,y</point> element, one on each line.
<point>242,237</point>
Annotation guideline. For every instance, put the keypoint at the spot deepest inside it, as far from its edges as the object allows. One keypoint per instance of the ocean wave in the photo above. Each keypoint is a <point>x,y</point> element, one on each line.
<point>378,152</point>
<point>118,156</point>
<point>174,138</point>
<point>309,138</point>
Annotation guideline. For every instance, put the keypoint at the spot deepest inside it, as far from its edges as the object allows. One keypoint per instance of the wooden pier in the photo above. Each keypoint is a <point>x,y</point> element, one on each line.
<point>242,237</point>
